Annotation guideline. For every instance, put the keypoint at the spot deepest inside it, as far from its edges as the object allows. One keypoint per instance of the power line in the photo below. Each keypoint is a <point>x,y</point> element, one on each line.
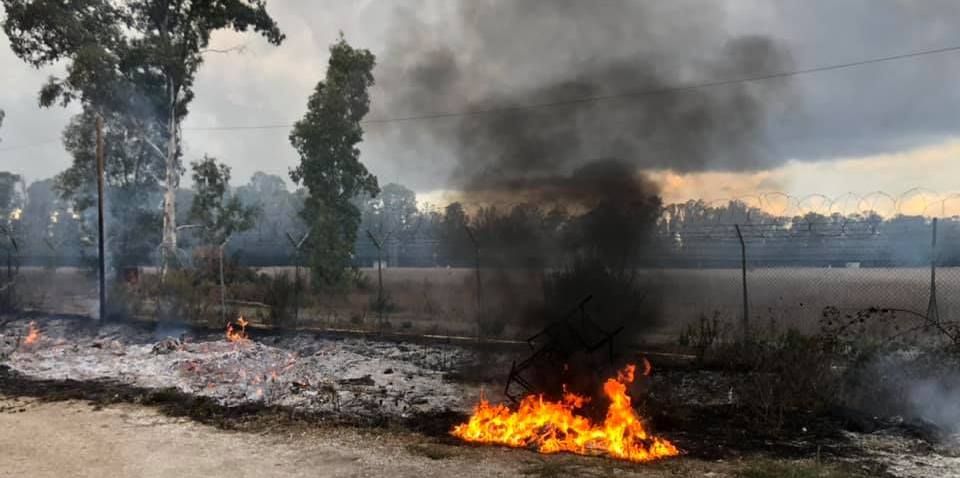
<point>582,100</point>
<point>598,98</point>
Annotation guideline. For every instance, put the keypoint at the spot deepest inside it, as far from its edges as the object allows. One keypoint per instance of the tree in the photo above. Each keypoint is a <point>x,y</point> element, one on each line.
<point>455,246</point>
<point>391,217</point>
<point>11,213</point>
<point>133,173</point>
<point>217,212</point>
<point>330,168</point>
<point>53,227</point>
<point>10,197</point>
<point>138,58</point>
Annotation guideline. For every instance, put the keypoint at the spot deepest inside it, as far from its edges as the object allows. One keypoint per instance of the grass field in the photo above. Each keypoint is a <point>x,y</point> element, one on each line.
<point>441,300</point>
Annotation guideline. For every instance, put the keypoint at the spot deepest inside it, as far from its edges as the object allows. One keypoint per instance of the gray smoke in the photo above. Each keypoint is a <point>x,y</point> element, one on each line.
<point>501,54</point>
<point>937,400</point>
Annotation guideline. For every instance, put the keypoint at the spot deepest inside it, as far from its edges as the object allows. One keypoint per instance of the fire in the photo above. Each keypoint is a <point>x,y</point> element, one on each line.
<point>33,334</point>
<point>234,335</point>
<point>552,427</point>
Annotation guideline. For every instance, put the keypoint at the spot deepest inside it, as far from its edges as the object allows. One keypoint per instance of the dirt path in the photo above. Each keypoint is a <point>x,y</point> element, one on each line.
<point>75,439</point>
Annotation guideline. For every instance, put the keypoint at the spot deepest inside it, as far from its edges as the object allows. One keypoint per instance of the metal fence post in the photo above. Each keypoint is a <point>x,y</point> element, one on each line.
<point>223,286</point>
<point>380,304</point>
<point>743,270</point>
<point>933,312</point>
<point>476,247</point>
<point>296,277</point>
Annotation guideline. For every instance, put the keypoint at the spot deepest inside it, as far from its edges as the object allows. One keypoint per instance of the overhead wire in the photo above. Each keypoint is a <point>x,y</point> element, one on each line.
<point>614,96</point>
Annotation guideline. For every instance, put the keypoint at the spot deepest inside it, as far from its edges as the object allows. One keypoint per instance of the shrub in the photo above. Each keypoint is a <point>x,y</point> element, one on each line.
<point>618,298</point>
<point>781,376</point>
<point>280,293</point>
<point>187,296</point>
<point>704,336</point>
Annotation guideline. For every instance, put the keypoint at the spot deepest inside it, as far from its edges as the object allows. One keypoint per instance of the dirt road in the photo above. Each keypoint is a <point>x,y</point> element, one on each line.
<point>75,439</point>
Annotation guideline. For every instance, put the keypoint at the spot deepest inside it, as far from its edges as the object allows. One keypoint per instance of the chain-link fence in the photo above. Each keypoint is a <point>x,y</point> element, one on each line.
<point>772,275</point>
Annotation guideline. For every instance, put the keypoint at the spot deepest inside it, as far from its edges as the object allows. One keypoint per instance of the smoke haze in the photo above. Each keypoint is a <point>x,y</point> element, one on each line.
<point>544,52</point>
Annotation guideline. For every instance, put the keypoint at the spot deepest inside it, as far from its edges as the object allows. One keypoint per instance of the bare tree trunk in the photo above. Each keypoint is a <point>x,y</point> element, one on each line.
<point>169,246</point>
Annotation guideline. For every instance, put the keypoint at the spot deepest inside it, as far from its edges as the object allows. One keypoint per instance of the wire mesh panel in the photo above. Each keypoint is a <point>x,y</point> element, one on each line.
<point>948,270</point>
<point>796,269</point>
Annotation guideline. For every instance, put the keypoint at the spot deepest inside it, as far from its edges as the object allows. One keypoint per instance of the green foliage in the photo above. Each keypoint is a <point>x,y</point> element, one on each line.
<point>219,213</point>
<point>330,168</point>
<point>132,174</point>
<point>126,56</point>
<point>9,196</point>
<point>393,212</point>
<point>11,238</point>
<point>132,62</point>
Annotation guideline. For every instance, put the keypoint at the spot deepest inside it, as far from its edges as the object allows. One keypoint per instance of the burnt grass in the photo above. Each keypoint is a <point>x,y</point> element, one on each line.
<point>705,432</point>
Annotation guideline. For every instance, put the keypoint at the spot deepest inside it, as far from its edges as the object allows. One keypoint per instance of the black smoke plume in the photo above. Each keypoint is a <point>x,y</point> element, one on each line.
<point>556,84</point>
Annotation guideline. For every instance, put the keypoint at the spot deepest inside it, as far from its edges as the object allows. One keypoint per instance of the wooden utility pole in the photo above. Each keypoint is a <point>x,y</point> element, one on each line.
<point>101,260</point>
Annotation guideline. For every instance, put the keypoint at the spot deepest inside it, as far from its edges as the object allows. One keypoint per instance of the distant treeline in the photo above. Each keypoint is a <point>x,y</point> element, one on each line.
<point>693,234</point>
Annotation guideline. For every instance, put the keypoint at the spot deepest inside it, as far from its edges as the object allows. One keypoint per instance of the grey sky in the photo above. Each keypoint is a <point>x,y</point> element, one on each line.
<point>875,109</point>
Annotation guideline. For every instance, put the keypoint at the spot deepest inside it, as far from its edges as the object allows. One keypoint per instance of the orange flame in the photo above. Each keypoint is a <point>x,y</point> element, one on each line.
<point>33,334</point>
<point>552,427</point>
<point>234,335</point>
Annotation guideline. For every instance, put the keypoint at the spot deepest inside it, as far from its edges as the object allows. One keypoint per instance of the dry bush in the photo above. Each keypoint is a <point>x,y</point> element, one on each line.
<point>779,376</point>
<point>704,336</point>
<point>184,295</point>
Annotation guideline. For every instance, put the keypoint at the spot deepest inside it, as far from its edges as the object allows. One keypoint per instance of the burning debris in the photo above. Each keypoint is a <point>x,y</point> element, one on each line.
<point>353,379</point>
<point>553,427</point>
<point>238,336</point>
<point>33,334</point>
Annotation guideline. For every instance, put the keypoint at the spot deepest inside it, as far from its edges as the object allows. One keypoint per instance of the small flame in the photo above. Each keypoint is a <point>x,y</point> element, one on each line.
<point>33,334</point>
<point>234,335</point>
<point>552,427</point>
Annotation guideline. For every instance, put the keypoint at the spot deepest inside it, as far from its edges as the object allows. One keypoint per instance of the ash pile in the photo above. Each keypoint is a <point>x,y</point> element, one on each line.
<point>351,378</point>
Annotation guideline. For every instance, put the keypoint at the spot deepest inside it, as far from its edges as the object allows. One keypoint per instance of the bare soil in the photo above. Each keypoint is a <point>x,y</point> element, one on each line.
<point>74,439</point>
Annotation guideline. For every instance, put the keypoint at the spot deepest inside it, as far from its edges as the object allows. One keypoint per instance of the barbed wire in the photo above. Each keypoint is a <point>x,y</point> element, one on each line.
<point>919,202</point>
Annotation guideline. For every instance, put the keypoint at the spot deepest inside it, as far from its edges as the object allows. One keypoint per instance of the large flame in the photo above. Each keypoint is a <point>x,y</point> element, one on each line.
<point>234,335</point>
<point>552,427</point>
<point>33,334</point>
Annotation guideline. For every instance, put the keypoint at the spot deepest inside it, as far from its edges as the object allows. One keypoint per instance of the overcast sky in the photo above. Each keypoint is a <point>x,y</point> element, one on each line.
<point>890,126</point>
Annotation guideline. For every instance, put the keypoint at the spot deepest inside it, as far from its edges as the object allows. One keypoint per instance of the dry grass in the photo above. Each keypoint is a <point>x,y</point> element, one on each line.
<point>444,301</point>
